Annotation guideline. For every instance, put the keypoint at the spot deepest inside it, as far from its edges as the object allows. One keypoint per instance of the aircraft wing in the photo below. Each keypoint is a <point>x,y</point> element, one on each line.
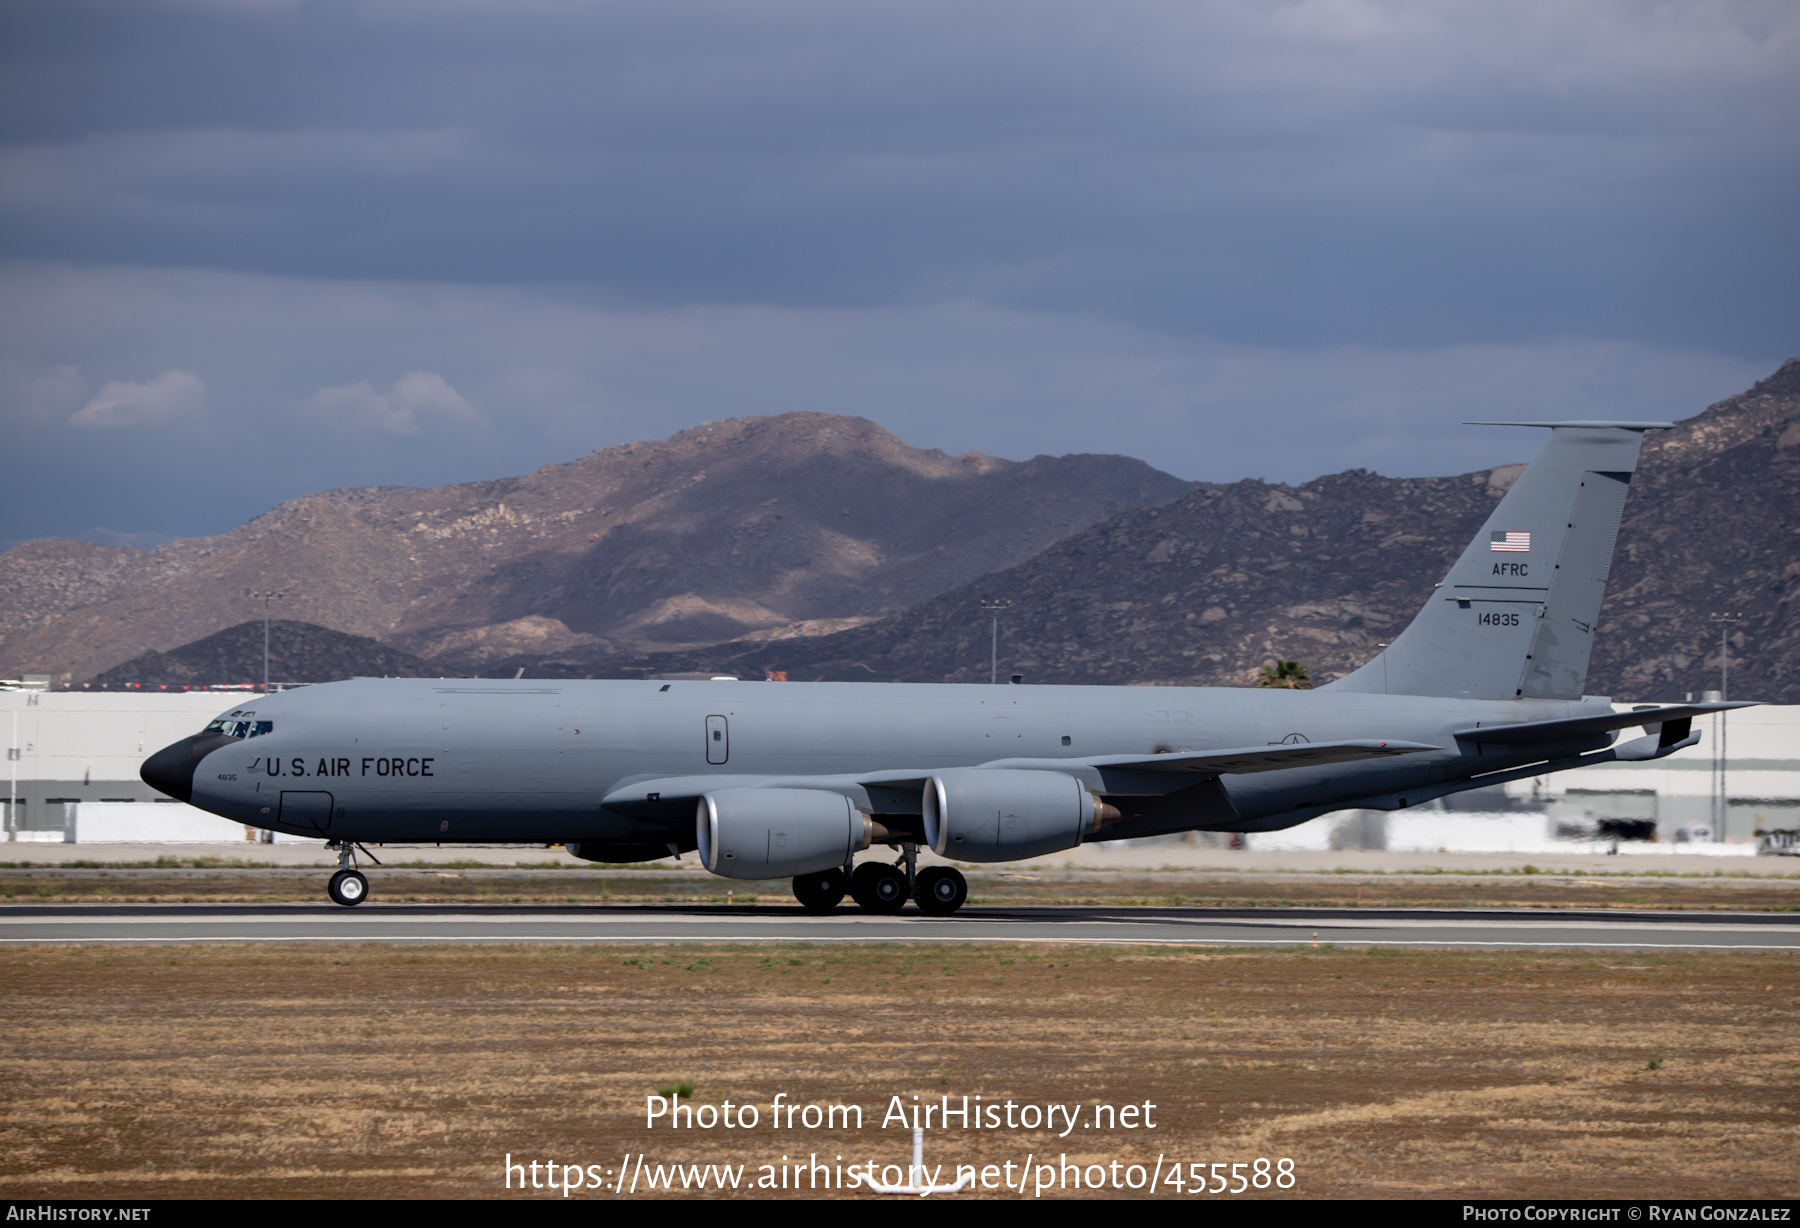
<point>663,796</point>
<point>1532,732</point>
<point>1258,758</point>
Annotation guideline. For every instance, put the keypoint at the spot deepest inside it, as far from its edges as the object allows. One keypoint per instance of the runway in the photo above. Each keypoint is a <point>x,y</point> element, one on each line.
<point>1275,927</point>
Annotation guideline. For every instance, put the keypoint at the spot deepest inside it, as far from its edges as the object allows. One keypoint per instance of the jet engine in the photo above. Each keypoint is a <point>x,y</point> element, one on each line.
<point>777,833</point>
<point>999,814</point>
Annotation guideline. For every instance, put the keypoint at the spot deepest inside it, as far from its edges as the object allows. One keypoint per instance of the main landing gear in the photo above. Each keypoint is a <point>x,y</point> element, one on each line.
<point>879,888</point>
<point>348,886</point>
<point>821,892</point>
<point>940,890</point>
<point>884,889</point>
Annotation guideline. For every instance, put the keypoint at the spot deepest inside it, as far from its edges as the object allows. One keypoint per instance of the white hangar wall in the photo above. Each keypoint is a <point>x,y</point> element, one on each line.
<point>68,749</point>
<point>1673,801</point>
<point>1679,794</point>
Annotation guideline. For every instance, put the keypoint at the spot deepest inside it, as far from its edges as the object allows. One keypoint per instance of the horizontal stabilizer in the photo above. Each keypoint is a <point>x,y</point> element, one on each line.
<point>1259,758</point>
<point>1533,732</point>
<point>1589,424</point>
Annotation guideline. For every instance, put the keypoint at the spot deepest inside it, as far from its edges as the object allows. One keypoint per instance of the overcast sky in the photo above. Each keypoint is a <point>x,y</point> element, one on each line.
<point>254,249</point>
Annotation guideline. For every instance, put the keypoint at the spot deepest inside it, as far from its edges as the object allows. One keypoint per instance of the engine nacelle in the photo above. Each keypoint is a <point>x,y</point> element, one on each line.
<point>1000,814</point>
<point>777,833</point>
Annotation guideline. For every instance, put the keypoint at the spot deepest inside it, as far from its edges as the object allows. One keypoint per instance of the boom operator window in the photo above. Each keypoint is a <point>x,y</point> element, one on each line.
<point>234,728</point>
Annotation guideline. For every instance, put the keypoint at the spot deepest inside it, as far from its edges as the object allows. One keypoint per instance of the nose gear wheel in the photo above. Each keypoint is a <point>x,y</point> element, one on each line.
<point>348,887</point>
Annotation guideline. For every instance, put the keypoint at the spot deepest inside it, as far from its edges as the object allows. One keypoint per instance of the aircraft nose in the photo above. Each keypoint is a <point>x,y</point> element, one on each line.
<point>171,769</point>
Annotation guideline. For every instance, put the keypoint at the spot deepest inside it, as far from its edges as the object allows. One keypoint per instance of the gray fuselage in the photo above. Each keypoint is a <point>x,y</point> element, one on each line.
<point>402,760</point>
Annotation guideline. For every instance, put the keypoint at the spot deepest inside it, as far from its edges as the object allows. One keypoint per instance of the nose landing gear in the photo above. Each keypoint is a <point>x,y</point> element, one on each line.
<point>348,886</point>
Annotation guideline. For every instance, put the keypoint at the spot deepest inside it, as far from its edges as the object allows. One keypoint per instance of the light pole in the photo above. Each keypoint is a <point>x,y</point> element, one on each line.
<point>996,608</point>
<point>267,599</point>
<point>1724,621</point>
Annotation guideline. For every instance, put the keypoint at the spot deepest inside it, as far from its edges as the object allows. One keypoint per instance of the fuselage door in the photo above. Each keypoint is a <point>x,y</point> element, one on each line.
<point>306,808</point>
<point>718,740</point>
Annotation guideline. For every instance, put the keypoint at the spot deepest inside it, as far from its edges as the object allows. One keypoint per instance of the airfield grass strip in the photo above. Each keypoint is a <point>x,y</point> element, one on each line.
<point>1188,888</point>
<point>380,1070</point>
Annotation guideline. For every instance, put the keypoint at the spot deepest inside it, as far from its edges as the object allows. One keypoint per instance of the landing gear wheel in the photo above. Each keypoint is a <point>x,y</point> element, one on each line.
<point>821,892</point>
<point>879,888</point>
<point>859,885</point>
<point>940,890</point>
<point>347,887</point>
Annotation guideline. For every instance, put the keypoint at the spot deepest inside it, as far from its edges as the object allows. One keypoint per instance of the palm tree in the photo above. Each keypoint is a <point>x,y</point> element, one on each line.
<point>1290,675</point>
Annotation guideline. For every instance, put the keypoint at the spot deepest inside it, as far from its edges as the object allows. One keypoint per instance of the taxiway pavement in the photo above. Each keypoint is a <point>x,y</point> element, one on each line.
<point>1533,928</point>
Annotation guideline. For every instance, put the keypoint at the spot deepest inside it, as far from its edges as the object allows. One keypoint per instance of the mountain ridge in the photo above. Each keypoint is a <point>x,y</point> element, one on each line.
<point>1209,588</point>
<point>753,524</point>
<point>298,653</point>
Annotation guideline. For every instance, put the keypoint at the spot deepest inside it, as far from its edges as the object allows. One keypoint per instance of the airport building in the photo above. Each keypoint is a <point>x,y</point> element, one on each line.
<point>1694,795</point>
<point>70,750</point>
<point>1695,801</point>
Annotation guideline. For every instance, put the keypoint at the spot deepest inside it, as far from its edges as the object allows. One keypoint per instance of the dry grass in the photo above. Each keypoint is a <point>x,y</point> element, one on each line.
<point>376,1070</point>
<point>580,885</point>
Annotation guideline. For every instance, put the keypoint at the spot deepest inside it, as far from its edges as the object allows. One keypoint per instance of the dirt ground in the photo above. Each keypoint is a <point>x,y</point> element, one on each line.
<point>474,883</point>
<point>372,1070</point>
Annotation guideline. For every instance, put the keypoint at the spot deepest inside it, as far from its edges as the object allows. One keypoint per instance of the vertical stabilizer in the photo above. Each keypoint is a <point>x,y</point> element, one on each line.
<point>1515,617</point>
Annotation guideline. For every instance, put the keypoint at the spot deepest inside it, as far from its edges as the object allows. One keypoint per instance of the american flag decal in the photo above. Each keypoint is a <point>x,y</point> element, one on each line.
<point>1509,543</point>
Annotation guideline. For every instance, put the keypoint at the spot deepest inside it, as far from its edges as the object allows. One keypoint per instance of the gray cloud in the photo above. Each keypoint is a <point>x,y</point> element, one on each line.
<point>316,383</point>
<point>1150,227</point>
<point>1343,171</point>
<point>417,400</point>
<point>152,402</point>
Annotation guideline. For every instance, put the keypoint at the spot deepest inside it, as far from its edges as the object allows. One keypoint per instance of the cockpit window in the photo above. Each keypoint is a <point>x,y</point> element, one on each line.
<point>238,727</point>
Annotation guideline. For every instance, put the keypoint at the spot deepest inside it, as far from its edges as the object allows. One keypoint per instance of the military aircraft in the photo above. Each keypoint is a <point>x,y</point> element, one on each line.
<point>778,780</point>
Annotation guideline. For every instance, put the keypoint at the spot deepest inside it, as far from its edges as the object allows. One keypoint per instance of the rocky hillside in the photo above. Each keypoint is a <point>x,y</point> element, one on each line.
<point>1201,591</point>
<point>1208,588</point>
<point>298,652</point>
<point>1712,527</point>
<point>773,526</point>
